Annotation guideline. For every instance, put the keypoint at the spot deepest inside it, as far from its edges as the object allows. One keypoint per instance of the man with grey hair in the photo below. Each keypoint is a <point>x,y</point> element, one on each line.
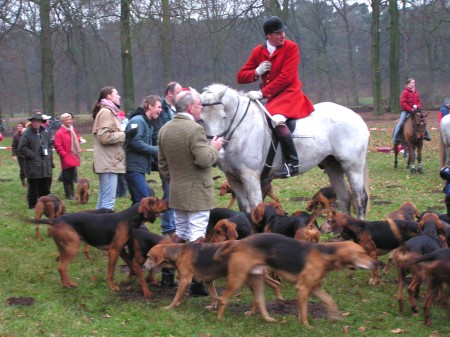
<point>185,161</point>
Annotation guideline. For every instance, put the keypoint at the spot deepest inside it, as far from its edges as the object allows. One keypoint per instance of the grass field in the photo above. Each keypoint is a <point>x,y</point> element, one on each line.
<point>28,269</point>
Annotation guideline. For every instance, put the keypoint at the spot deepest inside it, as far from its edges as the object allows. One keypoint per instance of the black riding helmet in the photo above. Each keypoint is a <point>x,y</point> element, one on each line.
<point>445,173</point>
<point>273,24</point>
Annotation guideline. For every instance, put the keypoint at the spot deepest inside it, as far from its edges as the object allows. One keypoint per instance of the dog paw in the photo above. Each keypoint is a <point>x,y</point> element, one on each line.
<point>373,281</point>
<point>211,307</point>
<point>269,319</point>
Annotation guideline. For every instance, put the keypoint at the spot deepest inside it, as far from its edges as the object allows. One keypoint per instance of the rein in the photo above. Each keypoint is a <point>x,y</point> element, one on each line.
<point>225,133</point>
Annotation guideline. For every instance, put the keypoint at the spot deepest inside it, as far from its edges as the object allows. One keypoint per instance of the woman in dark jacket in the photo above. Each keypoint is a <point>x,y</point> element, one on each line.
<point>35,146</point>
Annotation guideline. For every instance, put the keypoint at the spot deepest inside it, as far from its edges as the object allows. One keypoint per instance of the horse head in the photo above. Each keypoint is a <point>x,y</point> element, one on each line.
<point>213,116</point>
<point>419,123</point>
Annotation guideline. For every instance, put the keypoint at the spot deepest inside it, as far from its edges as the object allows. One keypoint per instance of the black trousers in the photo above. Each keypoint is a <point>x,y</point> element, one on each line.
<point>37,187</point>
<point>68,176</point>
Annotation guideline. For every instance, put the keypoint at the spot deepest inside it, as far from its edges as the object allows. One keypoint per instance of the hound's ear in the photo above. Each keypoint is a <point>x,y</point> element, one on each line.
<point>157,254</point>
<point>231,231</point>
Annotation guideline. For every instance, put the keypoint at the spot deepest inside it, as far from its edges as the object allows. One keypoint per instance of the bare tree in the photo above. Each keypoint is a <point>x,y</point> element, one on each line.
<point>127,59</point>
<point>375,59</point>
<point>394,57</point>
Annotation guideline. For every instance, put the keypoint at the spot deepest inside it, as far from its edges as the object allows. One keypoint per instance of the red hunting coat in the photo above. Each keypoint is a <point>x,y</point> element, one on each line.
<point>281,85</point>
<point>63,143</point>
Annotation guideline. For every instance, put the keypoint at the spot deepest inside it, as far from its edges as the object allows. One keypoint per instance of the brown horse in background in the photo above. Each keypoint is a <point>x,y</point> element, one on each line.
<point>411,137</point>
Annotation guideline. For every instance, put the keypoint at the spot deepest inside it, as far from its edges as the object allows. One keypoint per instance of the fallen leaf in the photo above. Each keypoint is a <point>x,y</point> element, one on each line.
<point>346,329</point>
<point>346,314</point>
<point>396,331</point>
<point>362,329</point>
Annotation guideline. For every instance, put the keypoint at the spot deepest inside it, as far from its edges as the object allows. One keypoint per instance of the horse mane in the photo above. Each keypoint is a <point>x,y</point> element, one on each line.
<point>219,87</point>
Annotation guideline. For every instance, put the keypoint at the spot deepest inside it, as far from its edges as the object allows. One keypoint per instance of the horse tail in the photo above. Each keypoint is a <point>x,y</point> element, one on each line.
<point>366,183</point>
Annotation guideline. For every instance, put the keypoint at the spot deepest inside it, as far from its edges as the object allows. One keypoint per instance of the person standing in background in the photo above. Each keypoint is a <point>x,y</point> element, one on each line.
<point>109,154</point>
<point>139,149</point>
<point>168,113</point>
<point>35,145</point>
<point>167,221</point>
<point>121,179</point>
<point>67,145</point>
<point>16,156</point>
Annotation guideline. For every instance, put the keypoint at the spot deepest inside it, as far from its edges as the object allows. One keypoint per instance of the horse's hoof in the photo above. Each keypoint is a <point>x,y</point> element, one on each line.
<point>413,170</point>
<point>420,170</point>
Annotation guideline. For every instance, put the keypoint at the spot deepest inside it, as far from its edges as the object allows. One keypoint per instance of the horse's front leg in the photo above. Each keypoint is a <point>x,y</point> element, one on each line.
<point>412,158</point>
<point>419,157</point>
<point>252,186</point>
<point>240,193</point>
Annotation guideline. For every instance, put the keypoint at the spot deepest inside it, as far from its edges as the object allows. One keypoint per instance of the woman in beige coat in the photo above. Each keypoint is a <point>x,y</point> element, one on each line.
<point>109,155</point>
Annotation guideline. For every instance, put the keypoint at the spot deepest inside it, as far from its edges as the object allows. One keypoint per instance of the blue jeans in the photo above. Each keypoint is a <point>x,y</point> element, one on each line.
<point>137,186</point>
<point>403,117</point>
<point>107,190</point>
<point>167,218</point>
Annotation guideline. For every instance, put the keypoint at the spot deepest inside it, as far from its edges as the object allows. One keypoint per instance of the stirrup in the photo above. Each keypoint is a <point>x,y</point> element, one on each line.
<point>285,172</point>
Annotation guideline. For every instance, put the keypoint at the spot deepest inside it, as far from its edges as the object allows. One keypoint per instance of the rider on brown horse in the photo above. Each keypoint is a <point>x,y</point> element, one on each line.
<point>409,102</point>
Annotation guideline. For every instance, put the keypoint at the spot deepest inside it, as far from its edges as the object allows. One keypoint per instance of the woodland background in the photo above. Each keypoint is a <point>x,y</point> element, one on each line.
<point>56,55</point>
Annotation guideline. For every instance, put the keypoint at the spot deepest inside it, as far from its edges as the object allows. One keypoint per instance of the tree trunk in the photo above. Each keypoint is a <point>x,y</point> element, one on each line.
<point>165,42</point>
<point>127,60</point>
<point>376,69</point>
<point>394,58</point>
<point>48,90</point>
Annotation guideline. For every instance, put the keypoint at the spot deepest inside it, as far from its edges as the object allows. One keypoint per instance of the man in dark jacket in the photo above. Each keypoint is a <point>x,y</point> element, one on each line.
<point>35,146</point>
<point>140,149</point>
<point>167,220</point>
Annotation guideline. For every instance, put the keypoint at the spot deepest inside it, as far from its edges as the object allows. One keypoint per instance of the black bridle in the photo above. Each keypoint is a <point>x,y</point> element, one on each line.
<point>227,131</point>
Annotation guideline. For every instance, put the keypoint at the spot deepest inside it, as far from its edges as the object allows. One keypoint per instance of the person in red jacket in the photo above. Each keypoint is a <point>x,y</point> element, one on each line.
<point>409,102</point>
<point>67,145</point>
<point>276,61</point>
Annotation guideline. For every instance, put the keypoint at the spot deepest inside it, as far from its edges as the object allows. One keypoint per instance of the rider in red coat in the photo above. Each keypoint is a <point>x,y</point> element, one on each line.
<point>276,61</point>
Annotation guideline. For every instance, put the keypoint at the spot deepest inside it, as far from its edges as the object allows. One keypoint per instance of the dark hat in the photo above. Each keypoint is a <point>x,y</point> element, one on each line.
<point>273,24</point>
<point>37,117</point>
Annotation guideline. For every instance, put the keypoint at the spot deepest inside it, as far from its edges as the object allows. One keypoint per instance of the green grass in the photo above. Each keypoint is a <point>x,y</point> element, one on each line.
<point>28,269</point>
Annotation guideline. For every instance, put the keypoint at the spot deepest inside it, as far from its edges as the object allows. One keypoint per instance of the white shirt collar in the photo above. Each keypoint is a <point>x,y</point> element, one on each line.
<point>187,115</point>
<point>270,48</point>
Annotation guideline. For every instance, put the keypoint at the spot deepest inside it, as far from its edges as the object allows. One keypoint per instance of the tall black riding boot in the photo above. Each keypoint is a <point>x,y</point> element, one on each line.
<point>289,152</point>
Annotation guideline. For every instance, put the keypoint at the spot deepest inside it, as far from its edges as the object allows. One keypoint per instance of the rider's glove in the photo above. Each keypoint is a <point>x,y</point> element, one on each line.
<point>414,107</point>
<point>255,94</point>
<point>263,67</point>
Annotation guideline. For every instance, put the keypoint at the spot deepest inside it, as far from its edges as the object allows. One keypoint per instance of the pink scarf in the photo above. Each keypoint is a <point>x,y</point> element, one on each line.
<point>74,142</point>
<point>109,104</point>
